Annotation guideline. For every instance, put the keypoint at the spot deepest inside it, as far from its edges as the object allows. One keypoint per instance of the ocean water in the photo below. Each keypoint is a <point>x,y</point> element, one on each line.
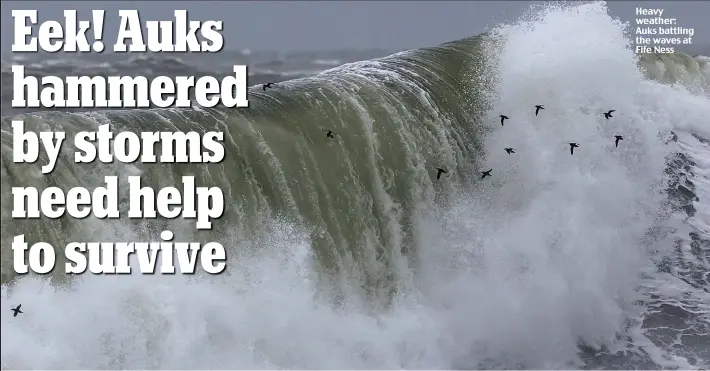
<point>350,254</point>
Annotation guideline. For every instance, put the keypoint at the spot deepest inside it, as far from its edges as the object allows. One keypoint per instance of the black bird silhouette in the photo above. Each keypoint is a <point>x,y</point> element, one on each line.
<point>510,150</point>
<point>618,138</point>
<point>538,108</point>
<point>503,118</point>
<point>438,172</point>
<point>486,173</point>
<point>16,310</point>
<point>572,146</point>
<point>608,114</point>
<point>329,134</point>
<point>267,85</point>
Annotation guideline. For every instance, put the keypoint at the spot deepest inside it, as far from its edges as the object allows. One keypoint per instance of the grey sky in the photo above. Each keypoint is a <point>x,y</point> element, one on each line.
<point>321,25</point>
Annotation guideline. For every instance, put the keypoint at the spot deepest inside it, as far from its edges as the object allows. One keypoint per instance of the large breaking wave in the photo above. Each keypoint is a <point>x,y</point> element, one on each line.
<point>349,253</point>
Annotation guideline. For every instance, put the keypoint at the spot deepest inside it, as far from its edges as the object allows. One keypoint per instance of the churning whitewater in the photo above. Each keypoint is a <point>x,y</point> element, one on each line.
<point>347,252</point>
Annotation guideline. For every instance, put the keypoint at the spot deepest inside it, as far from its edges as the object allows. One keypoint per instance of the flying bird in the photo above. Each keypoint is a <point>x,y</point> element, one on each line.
<point>618,138</point>
<point>486,173</point>
<point>538,108</point>
<point>510,150</point>
<point>16,311</point>
<point>608,114</point>
<point>439,172</point>
<point>503,118</point>
<point>572,146</point>
<point>267,85</point>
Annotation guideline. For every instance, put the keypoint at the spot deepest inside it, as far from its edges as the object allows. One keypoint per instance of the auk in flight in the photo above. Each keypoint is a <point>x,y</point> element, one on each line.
<point>439,172</point>
<point>618,138</point>
<point>486,173</point>
<point>267,85</point>
<point>538,108</point>
<point>510,150</point>
<point>608,114</point>
<point>503,118</point>
<point>16,310</point>
<point>572,146</point>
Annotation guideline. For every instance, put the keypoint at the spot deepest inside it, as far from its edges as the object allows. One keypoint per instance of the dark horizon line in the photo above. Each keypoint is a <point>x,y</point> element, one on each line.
<point>683,48</point>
